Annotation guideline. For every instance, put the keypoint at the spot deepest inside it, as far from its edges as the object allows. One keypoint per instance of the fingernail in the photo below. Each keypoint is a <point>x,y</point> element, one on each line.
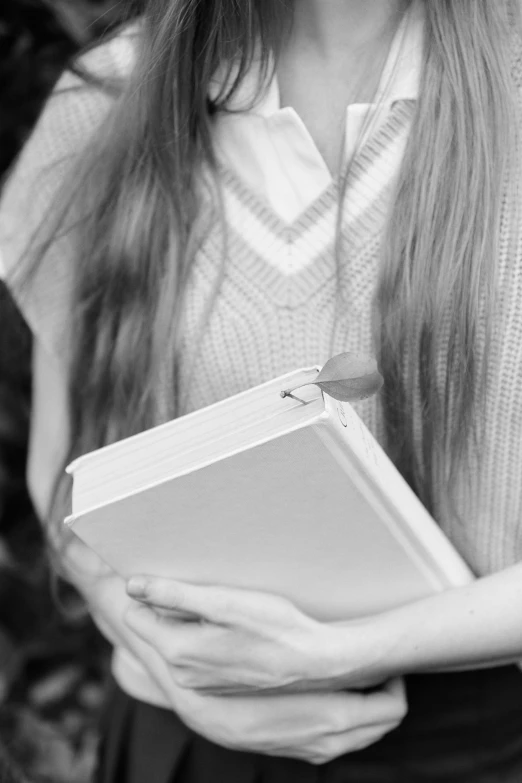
<point>137,587</point>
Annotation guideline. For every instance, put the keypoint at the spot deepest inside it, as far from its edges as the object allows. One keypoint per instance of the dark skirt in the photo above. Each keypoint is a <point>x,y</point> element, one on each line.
<point>460,728</point>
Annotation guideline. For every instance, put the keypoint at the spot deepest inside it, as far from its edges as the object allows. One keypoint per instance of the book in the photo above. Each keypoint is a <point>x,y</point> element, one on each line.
<point>292,496</point>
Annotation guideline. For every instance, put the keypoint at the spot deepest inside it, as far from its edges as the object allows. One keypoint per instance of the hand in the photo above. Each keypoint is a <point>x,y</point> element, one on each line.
<point>311,727</point>
<point>99,585</point>
<point>247,641</point>
<point>107,600</point>
<point>315,727</point>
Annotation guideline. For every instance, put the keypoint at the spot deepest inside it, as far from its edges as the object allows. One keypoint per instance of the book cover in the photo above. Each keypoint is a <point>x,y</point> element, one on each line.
<point>293,497</point>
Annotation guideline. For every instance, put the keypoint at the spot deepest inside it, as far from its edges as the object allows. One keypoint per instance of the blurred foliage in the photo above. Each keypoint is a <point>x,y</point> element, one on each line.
<point>52,662</point>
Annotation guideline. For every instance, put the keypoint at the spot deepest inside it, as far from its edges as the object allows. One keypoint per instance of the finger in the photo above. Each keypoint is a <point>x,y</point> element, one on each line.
<point>175,615</point>
<point>361,736</point>
<point>175,641</point>
<point>389,703</point>
<point>383,705</point>
<point>396,690</point>
<point>330,748</point>
<point>211,603</point>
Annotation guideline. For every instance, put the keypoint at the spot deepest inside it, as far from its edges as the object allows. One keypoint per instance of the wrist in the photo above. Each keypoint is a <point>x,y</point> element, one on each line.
<point>363,653</point>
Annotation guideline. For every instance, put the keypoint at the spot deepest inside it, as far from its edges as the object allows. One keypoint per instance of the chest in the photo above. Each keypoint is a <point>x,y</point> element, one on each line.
<point>275,296</point>
<point>276,292</point>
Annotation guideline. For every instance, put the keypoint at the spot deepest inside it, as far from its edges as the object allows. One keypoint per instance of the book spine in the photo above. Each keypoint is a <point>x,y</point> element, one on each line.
<point>361,456</point>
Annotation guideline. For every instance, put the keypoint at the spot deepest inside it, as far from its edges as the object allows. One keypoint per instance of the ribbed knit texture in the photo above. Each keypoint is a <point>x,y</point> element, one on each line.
<point>277,304</point>
<point>276,307</point>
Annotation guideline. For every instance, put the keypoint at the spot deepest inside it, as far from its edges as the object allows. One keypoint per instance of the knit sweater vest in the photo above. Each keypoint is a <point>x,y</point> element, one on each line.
<point>277,308</point>
<point>283,300</point>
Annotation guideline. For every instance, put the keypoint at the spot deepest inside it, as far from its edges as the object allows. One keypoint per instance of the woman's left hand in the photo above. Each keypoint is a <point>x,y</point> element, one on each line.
<point>230,641</point>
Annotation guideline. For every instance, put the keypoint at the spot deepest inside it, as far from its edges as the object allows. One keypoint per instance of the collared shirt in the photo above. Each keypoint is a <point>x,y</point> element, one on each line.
<point>270,147</point>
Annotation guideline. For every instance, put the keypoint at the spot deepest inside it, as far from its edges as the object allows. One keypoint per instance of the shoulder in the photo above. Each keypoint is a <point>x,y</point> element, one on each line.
<point>77,106</point>
<point>115,56</point>
<point>94,78</point>
<point>81,98</point>
<point>83,95</point>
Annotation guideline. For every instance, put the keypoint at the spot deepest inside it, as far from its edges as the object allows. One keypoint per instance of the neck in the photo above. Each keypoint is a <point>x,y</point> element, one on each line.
<point>332,27</point>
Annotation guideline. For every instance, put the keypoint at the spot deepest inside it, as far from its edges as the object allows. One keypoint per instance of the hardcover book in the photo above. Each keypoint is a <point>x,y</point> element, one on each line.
<point>286,494</point>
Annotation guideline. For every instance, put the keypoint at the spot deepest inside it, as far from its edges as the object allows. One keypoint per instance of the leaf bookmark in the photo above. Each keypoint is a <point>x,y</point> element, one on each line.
<point>346,377</point>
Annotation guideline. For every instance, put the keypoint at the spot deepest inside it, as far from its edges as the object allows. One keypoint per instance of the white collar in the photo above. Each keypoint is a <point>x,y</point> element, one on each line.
<point>400,79</point>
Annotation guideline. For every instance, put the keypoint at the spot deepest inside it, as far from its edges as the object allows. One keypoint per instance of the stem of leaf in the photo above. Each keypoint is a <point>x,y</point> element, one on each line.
<point>289,394</point>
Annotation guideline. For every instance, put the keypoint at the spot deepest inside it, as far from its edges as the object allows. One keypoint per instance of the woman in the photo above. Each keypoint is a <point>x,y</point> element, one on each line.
<point>270,184</point>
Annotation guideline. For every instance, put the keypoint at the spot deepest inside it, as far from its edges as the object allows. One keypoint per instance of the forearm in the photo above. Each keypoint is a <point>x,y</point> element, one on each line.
<point>476,626</point>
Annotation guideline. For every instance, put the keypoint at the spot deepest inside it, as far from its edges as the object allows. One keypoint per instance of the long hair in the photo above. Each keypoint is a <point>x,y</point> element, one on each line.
<point>144,198</point>
<point>437,293</point>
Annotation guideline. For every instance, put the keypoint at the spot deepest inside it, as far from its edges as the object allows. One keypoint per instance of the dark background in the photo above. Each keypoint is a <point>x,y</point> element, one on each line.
<point>52,660</point>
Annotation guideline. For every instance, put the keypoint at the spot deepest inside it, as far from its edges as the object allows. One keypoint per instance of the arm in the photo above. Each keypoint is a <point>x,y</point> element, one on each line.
<point>254,642</point>
<point>103,590</point>
<point>314,727</point>
<point>476,626</point>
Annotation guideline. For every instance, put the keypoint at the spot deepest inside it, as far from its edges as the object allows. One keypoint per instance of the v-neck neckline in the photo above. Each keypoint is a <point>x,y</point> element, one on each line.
<point>367,154</point>
<point>271,149</point>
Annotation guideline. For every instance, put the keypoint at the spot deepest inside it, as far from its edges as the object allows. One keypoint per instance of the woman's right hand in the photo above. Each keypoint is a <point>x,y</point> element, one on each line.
<point>314,727</point>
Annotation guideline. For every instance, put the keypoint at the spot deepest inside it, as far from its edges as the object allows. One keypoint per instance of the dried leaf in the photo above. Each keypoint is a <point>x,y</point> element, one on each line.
<point>349,377</point>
